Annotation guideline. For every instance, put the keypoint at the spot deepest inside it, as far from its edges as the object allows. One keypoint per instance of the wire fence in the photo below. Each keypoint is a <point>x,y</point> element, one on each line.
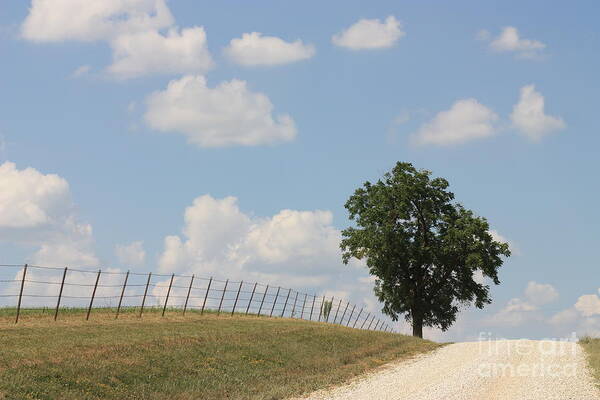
<point>59,288</point>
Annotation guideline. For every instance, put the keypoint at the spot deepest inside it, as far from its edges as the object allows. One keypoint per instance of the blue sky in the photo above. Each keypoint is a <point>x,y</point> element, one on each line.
<point>355,112</point>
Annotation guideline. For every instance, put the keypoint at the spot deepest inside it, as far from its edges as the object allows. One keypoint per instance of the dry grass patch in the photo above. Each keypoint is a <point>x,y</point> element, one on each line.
<point>191,357</point>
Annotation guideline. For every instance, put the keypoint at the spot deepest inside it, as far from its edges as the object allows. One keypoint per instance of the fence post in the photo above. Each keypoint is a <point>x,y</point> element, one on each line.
<point>222,297</point>
<point>188,294</point>
<point>294,307</point>
<point>275,301</point>
<point>377,324</point>
<point>350,317</point>
<point>366,319</point>
<point>337,310</point>
<point>251,297</point>
<point>369,327</point>
<point>303,305</point>
<point>357,318</point>
<point>62,284</point>
<point>21,293</point>
<point>329,313</point>
<point>286,300</point>
<point>145,293</point>
<point>322,305</point>
<point>87,317</point>
<point>263,300</point>
<point>168,293</point>
<point>122,293</point>
<point>236,297</point>
<point>344,314</point>
<point>206,295</point>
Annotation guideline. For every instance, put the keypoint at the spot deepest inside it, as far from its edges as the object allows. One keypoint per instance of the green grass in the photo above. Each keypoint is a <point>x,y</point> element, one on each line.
<point>592,348</point>
<point>176,357</point>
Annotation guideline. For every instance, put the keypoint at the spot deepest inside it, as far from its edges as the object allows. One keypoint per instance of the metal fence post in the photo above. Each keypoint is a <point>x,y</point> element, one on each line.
<point>21,293</point>
<point>62,284</point>
<point>357,318</point>
<point>369,327</point>
<point>366,319</point>
<point>251,297</point>
<point>222,297</point>
<point>329,313</point>
<point>206,295</point>
<point>294,307</point>
<point>87,317</point>
<point>263,300</point>
<point>286,301</point>
<point>344,314</point>
<point>303,305</point>
<point>275,301</point>
<point>237,297</point>
<point>122,293</point>
<point>337,310</point>
<point>322,305</point>
<point>145,293</point>
<point>168,293</point>
<point>350,317</point>
<point>188,294</point>
<point>312,307</point>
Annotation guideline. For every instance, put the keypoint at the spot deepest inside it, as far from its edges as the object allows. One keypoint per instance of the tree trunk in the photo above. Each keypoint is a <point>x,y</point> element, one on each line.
<point>418,329</point>
<point>417,324</point>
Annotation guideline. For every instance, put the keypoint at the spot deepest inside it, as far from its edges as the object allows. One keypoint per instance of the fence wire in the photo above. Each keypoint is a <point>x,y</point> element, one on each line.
<point>35,286</point>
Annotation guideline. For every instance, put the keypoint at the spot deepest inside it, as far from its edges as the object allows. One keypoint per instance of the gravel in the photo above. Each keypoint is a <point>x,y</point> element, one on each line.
<point>503,369</point>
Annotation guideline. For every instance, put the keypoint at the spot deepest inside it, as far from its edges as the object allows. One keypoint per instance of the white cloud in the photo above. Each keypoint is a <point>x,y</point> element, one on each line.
<point>58,20</point>
<point>132,254</point>
<point>540,294</point>
<point>466,120</point>
<point>149,52</point>
<point>528,115</point>
<point>36,210</point>
<point>370,34</point>
<point>509,41</point>
<point>518,311</point>
<point>226,115</point>
<point>29,198</point>
<point>298,249</point>
<point>588,305</point>
<point>254,49</point>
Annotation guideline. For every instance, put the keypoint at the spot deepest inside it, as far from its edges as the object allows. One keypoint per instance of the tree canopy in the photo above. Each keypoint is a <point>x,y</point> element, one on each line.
<point>428,253</point>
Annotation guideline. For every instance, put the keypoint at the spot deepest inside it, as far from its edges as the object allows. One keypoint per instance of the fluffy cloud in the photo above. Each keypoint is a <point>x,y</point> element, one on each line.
<point>58,20</point>
<point>370,34</point>
<point>254,49</point>
<point>298,249</point>
<point>132,254</point>
<point>588,305</point>
<point>519,311</point>
<point>466,120</point>
<point>226,115</point>
<point>149,52</point>
<point>36,210</point>
<point>540,294</point>
<point>528,115</point>
<point>29,198</point>
<point>509,41</point>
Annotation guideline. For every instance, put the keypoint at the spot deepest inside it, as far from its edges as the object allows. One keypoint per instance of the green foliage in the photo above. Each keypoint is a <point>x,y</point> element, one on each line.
<point>422,246</point>
<point>326,309</point>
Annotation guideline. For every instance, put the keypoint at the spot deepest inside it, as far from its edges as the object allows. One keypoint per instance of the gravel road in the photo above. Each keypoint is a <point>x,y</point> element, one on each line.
<point>504,369</point>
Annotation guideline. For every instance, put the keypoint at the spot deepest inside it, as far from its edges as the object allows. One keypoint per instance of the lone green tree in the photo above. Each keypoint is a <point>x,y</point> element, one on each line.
<point>425,249</point>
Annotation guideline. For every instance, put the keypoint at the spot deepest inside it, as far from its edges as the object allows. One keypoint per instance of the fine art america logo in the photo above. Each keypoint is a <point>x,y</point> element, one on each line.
<point>527,358</point>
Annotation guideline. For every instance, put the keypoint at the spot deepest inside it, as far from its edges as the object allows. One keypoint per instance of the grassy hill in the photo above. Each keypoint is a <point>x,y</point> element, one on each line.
<point>191,357</point>
<point>592,348</point>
